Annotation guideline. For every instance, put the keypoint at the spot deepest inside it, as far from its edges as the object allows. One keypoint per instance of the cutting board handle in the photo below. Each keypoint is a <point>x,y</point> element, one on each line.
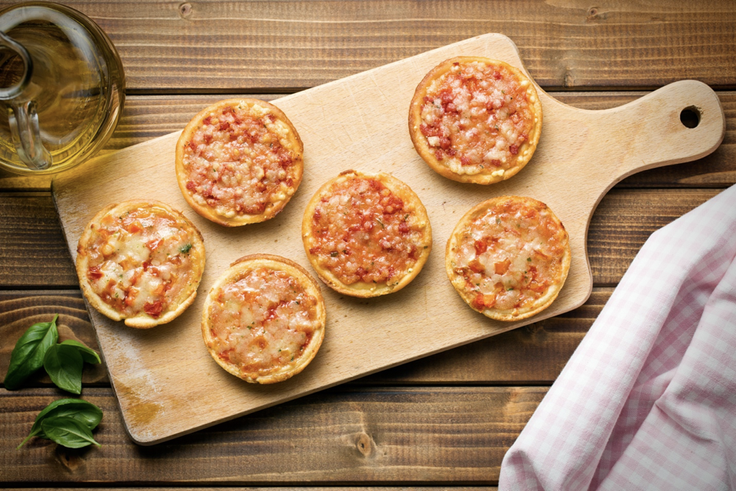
<point>680,122</point>
<point>595,149</point>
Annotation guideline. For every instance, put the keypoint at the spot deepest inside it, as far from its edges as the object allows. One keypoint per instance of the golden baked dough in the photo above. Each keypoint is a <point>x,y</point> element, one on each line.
<point>140,261</point>
<point>366,234</point>
<point>239,161</point>
<point>508,257</point>
<point>475,120</point>
<point>264,319</point>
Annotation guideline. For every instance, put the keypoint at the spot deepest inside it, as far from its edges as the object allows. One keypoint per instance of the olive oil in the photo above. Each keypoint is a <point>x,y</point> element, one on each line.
<point>76,83</point>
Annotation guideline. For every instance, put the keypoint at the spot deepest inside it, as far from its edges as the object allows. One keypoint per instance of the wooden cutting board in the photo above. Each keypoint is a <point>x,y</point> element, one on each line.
<point>165,380</point>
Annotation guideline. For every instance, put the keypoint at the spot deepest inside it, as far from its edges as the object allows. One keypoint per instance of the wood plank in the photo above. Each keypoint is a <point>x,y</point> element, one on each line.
<point>531,355</point>
<point>256,46</point>
<point>347,436</point>
<point>33,252</point>
<point>148,117</point>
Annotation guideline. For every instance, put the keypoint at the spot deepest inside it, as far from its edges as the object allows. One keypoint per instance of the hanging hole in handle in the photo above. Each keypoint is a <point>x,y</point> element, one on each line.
<point>690,117</point>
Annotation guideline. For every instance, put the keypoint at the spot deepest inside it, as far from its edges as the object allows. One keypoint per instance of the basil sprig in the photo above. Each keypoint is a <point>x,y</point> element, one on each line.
<point>68,422</point>
<point>38,347</point>
<point>29,352</point>
<point>64,363</point>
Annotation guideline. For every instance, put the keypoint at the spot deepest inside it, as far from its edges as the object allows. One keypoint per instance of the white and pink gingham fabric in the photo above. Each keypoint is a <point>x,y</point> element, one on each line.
<point>648,400</point>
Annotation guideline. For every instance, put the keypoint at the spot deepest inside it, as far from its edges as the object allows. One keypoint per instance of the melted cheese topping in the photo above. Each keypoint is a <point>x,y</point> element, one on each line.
<point>240,161</point>
<point>141,262</point>
<point>476,117</point>
<point>510,256</point>
<point>262,321</point>
<point>362,232</point>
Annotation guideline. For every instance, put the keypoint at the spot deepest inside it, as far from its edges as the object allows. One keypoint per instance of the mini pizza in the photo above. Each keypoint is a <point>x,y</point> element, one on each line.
<point>264,319</point>
<point>475,120</point>
<point>239,161</point>
<point>366,235</point>
<point>141,262</point>
<point>508,257</point>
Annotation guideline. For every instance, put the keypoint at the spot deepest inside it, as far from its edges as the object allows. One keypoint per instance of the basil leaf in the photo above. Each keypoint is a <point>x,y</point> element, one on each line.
<point>64,365</point>
<point>29,352</point>
<point>88,354</point>
<point>81,410</point>
<point>67,432</point>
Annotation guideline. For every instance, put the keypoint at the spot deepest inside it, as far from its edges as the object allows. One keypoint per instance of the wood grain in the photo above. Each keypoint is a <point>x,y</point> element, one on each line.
<point>256,46</point>
<point>191,53</point>
<point>33,251</point>
<point>375,436</point>
<point>334,121</point>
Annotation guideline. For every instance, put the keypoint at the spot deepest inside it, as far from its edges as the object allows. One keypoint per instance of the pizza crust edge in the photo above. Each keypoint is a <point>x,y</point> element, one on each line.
<point>141,320</point>
<point>296,146</point>
<point>459,283</point>
<point>426,153</point>
<point>273,262</point>
<point>362,289</point>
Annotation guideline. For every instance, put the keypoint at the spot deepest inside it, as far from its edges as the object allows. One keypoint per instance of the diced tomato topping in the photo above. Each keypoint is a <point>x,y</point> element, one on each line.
<point>414,253</point>
<point>476,266</point>
<point>153,244</point>
<point>482,302</point>
<point>153,309</point>
<point>134,227</point>
<point>481,246</point>
<point>368,237</point>
<point>537,287</point>
<point>502,266</point>
<point>225,355</point>
<point>130,298</point>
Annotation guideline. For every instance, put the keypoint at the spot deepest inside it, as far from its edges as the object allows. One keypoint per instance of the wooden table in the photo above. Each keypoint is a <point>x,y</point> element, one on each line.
<point>444,420</point>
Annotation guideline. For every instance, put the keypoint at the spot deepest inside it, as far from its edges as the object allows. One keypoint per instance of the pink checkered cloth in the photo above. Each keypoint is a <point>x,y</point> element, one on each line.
<point>648,400</point>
